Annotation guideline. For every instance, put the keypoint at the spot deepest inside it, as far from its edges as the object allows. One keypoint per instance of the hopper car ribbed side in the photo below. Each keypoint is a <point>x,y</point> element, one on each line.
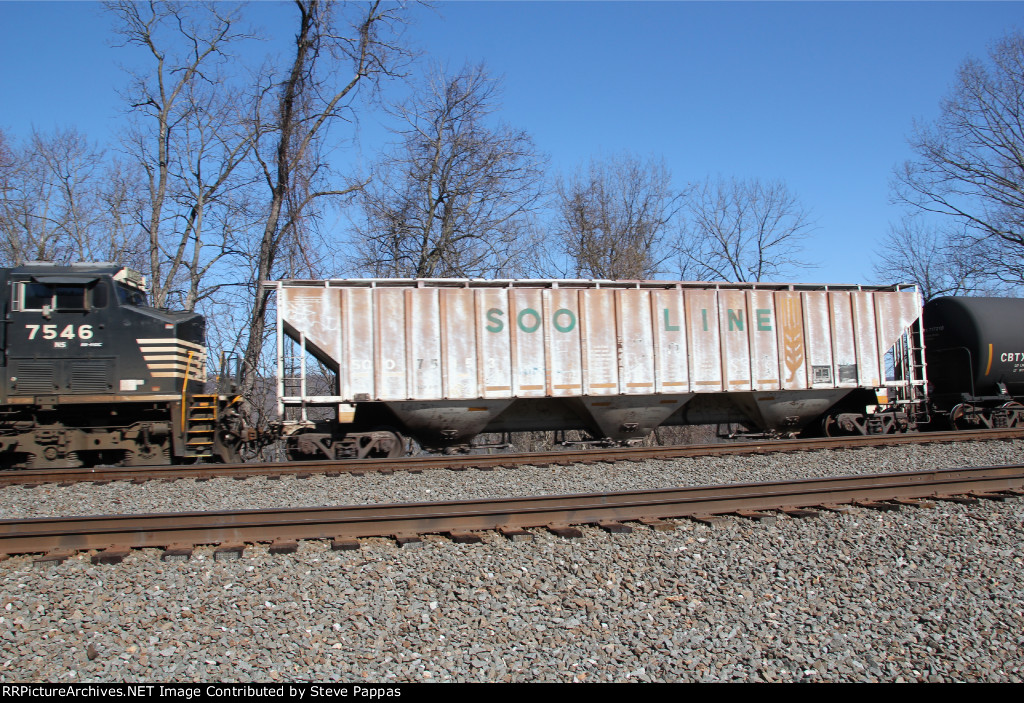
<point>446,360</point>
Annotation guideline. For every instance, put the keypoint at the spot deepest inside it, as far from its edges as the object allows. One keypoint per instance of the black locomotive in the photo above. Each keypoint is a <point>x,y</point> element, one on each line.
<point>93,375</point>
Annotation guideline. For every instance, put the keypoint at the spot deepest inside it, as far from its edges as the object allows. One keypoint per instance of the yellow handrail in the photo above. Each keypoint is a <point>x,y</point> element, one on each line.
<point>184,387</point>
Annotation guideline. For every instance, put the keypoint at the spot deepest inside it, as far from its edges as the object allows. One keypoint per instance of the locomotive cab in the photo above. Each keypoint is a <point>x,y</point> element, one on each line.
<point>92,374</point>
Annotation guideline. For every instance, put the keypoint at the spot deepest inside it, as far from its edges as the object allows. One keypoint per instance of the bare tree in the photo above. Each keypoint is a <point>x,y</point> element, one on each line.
<point>612,219</point>
<point>337,51</point>
<point>969,164</point>
<point>36,213</point>
<point>940,262</point>
<point>189,137</point>
<point>739,230</point>
<point>123,200</point>
<point>8,195</point>
<point>454,198</point>
<point>56,196</point>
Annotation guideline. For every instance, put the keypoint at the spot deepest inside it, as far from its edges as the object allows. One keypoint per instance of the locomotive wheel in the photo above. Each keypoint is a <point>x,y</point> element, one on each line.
<point>153,455</point>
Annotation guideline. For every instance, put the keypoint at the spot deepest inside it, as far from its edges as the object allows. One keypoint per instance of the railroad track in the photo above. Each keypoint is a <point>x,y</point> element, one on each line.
<point>30,477</point>
<point>115,535</point>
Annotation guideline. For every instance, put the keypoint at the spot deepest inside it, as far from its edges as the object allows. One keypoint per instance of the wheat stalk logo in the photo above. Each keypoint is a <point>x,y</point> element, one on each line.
<point>791,323</point>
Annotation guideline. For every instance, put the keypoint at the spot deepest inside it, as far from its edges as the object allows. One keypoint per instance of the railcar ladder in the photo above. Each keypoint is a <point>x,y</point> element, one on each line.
<point>200,425</point>
<point>916,373</point>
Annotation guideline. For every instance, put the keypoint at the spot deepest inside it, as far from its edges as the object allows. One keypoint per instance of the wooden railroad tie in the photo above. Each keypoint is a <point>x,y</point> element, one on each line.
<point>515,534</point>
<point>228,552</point>
<point>566,531</point>
<point>913,502</point>
<point>464,537</point>
<point>344,544</point>
<point>283,546</point>
<point>57,556</point>
<point>408,540</point>
<point>962,500</point>
<point>658,524</point>
<point>614,527</point>
<point>795,512</point>
<point>177,552</point>
<point>984,495</point>
<point>111,555</point>
<point>877,505</point>
<point>757,516</point>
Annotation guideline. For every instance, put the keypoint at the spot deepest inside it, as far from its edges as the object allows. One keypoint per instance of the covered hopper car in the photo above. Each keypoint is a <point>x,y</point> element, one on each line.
<point>443,361</point>
<point>91,374</point>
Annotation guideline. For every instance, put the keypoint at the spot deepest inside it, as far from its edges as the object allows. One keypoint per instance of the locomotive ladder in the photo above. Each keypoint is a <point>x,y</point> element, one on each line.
<point>200,425</point>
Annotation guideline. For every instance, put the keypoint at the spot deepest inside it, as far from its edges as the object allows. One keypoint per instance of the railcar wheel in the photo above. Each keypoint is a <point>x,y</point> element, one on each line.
<point>842,425</point>
<point>381,443</point>
<point>1014,414</point>
<point>830,426</point>
<point>962,417</point>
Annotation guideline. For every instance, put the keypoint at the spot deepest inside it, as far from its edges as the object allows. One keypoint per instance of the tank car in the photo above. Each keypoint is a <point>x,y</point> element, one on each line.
<point>94,375</point>
<point>975,355</point>
<point>446,360</point>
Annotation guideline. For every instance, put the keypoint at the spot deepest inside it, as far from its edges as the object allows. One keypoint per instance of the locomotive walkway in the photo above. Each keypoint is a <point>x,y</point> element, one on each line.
<point>178,533</point>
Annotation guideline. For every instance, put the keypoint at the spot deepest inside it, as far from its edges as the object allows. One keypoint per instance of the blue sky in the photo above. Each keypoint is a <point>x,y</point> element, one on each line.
<point>820,95</point>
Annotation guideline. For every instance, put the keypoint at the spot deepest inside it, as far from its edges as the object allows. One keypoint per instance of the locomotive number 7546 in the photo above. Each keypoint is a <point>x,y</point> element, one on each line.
<point>69,331</point>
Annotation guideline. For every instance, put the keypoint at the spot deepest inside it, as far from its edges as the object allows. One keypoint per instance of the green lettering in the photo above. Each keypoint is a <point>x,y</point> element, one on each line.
<point>494,315</point>
<point>764,320</point>
<point>566,328</point>
<point>536,318</point>
<point>704,318</point>
<point>736,320</point>
<point>668,327</point>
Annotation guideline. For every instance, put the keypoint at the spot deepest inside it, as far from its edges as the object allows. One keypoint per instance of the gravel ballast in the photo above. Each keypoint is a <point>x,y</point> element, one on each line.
<point>122,497</point>
<point>929,594</point>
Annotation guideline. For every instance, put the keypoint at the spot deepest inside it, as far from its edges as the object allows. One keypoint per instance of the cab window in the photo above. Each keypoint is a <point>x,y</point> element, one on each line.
<point>130,296</point>
<point>70,297</point>
<point>35,295</point>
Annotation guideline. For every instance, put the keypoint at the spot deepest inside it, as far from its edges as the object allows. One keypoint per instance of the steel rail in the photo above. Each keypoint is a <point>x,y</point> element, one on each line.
<point>42,535</point>
<point>485,461</point>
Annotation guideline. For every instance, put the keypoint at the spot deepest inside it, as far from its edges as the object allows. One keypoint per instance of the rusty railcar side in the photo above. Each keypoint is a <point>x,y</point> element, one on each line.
<point>448,359</point>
